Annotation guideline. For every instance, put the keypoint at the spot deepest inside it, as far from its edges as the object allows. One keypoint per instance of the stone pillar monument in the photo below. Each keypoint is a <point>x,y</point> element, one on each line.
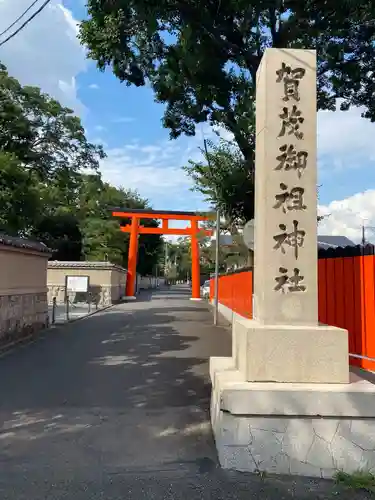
<point>285,252</point>
<point>285,269</point>
<point>286,369</point>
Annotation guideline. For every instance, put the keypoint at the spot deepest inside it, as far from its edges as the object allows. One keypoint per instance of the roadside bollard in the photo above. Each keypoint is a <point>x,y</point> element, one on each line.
<point>67,308</point>
<point>53,310</point>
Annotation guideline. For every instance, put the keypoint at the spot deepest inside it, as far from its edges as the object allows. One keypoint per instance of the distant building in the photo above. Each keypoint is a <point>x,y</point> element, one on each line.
<point>326,242</point>
<point>323,241</point>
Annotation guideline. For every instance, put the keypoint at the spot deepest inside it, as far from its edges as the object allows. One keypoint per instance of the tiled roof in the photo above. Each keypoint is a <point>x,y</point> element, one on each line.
<point>334,241</point>
<point>85,264</point>
<point>16,242</point>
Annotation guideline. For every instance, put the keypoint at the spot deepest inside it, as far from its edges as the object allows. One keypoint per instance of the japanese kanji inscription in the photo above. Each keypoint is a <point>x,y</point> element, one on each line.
<point>291,121</point>
<point>290,78</point>
<point>285,283</point>
<point>290,199</point>
<point>291,159</point>
<point>294,239</point>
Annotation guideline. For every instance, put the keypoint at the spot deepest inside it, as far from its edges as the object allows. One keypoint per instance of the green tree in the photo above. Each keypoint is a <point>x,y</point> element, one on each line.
<point>200,57</point>
<point>43,135</point>
<point>43,151</point>
<point>103,240</point>
<point>102,237</point>
<point>19,200</point>
<point>225,180</point>
<point>45,190</point>
<point>62,233</point>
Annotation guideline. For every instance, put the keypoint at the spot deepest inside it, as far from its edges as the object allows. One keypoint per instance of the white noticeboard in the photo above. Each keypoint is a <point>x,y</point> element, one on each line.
<point>77,283</point>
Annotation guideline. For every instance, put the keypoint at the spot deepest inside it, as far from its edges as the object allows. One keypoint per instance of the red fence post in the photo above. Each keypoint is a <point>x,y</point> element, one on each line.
<point>368,330</point>
<point>331,292</point>
<point>349,305</point>
<point>322,290</point>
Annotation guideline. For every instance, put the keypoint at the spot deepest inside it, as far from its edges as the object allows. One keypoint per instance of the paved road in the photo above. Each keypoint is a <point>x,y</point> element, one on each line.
<point>115,406</point>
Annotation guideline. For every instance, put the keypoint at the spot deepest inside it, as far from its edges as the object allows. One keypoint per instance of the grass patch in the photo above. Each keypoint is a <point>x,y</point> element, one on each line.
<point>360,480</point>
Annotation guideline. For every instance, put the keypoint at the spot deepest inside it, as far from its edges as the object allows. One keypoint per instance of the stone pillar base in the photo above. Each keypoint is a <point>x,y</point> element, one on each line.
<point>288,353</point>
<point>302,429</point>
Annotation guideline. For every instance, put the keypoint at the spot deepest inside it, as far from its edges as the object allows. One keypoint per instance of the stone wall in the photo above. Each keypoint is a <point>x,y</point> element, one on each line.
<point>106,282</point>
<point>21,315</point>
<point>23,287</point>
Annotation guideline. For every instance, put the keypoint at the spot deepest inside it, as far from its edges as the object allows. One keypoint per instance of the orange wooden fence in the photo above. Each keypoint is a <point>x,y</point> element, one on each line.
<point>346,295</point>
<point>346,288</point>
<point>236,292</point>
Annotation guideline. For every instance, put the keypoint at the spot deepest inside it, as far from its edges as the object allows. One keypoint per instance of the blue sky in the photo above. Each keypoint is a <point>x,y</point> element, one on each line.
<point>127,121</point>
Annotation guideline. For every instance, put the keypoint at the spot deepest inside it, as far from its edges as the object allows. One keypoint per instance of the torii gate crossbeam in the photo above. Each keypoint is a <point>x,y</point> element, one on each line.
<point>135,228</point>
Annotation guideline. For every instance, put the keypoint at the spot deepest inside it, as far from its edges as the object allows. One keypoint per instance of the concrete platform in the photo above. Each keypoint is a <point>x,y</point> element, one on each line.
<point>301,429</point>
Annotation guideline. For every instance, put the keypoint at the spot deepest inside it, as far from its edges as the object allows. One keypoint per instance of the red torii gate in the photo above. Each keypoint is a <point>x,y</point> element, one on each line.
<point>135,229</point>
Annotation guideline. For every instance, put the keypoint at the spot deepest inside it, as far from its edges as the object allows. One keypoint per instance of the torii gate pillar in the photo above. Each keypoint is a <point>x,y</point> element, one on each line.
<point>195,265</point>
<point>131,278</point>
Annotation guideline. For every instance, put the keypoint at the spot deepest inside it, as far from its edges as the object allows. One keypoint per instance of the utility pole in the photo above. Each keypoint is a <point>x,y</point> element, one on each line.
<point>216,283</point>
<point>166,259</point>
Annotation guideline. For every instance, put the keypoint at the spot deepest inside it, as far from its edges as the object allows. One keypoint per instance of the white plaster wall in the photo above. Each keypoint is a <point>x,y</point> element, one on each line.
<point>147,282</point>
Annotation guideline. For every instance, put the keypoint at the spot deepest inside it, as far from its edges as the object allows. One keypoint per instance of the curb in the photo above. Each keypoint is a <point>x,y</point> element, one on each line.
<point>41,334</point>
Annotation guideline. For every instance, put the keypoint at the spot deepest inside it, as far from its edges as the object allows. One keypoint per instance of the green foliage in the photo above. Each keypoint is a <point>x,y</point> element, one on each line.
<point>19,201</point>
<point>225,180</point>
<point>45,136</point>
<point>62,233</point>
<point>200,57</point>
<point>179,256</point>
<point>179,259</point>
<point>103,240</point>
<point>44,190</point>
<point>360,480</point>
<point>150,249</point>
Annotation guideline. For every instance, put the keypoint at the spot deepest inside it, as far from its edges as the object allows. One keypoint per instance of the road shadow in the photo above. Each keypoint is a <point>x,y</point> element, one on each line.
<point>124,390</point>
<point>112,366</point>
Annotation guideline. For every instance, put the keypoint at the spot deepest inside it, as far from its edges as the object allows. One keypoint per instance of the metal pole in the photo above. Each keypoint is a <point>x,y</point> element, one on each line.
<point>216,290</point>
<point>53,310</point>
<point>363,235</point>
<point>166,258</point>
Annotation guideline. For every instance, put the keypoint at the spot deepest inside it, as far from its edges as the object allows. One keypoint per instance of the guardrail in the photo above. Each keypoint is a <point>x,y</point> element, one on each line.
<point>358,356</point>
<point>61,313</point>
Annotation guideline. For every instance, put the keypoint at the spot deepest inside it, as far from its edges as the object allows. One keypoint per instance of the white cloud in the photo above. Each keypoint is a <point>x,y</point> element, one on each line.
<point>94,86</point>
<point>345,140</point>
<point>346,217</point>
<point>155,171</point>
<point>152,169</point>
<point>46,52</point>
